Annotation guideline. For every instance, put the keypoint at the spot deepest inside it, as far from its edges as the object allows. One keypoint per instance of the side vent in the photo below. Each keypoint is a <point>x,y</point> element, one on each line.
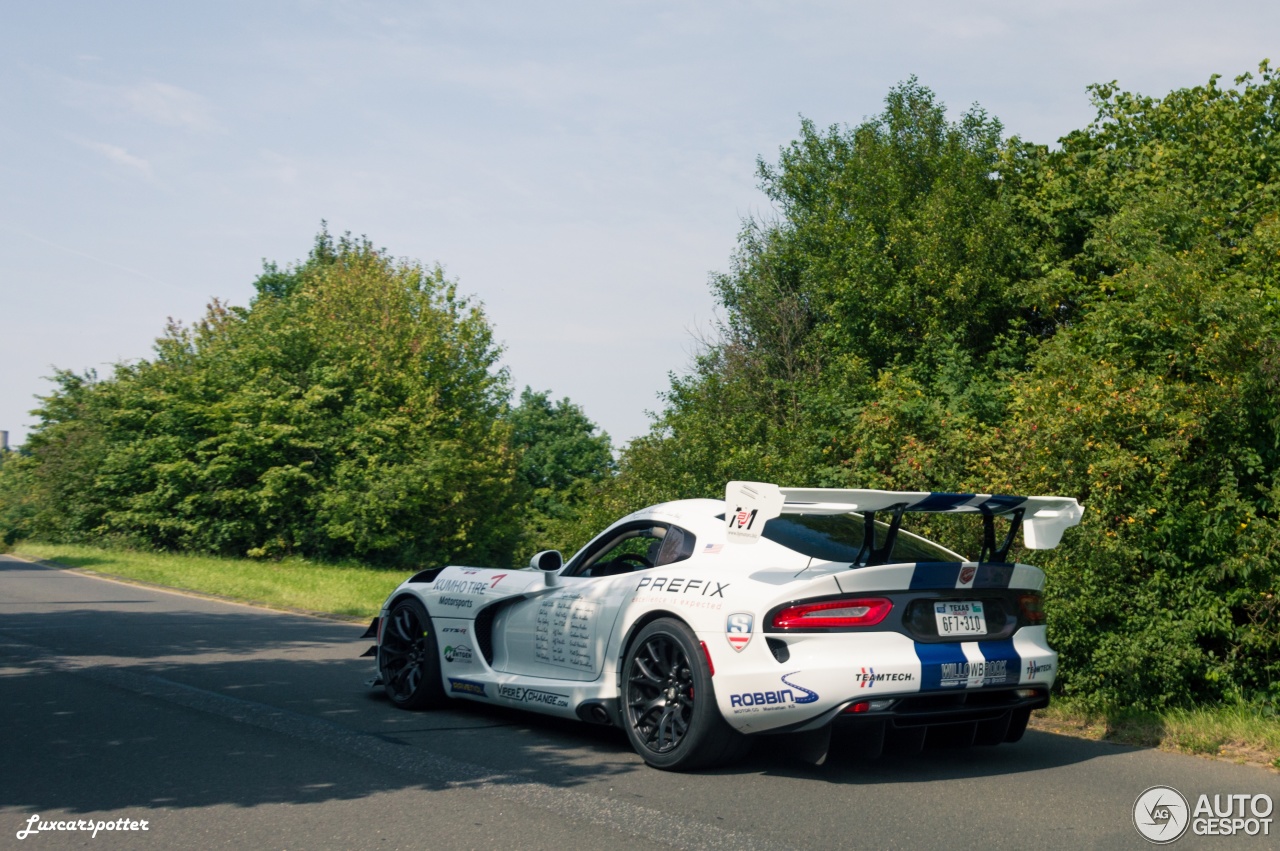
<point>484,633</point>
<point>779,649</point>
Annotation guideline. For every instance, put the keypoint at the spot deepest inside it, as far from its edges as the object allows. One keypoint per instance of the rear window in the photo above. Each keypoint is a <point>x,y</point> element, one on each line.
<point>838,537</point>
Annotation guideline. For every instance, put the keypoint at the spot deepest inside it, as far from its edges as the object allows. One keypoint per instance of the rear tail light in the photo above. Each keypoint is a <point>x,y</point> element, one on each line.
<point>833,614</point>
<point>1032,608</point>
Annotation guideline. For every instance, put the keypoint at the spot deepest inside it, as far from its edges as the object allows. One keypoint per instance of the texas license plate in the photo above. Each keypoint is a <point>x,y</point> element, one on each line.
<point>960,618</point>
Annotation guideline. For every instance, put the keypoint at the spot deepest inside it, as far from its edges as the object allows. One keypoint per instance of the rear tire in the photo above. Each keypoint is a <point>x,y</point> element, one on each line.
<point>669,706</point>
<point>409,660</point>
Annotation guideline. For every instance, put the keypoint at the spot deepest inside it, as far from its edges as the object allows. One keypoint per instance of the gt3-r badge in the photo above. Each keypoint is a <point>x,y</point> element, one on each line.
<point>737,628</point>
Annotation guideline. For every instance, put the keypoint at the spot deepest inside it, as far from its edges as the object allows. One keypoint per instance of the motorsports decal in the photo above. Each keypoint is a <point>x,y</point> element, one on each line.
<point>768,701</point>
<point>968,664</point>
<point>737,629</point>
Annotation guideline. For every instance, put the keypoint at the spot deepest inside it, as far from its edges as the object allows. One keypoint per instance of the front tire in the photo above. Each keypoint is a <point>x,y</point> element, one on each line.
<point>668,702</point>
<point>408,659</point>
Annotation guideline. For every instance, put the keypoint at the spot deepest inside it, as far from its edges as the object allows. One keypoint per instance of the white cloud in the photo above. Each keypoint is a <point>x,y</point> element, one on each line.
<point>169,105</point>
<point>119,156</point>
<point>155,102</point>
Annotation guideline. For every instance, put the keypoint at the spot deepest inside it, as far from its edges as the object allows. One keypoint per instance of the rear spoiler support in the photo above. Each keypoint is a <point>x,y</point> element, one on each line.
<point>989,550</point>
<point>869,553</point>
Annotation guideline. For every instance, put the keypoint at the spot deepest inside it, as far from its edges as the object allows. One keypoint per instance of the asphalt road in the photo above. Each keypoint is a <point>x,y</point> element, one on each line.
<point>227,726</point>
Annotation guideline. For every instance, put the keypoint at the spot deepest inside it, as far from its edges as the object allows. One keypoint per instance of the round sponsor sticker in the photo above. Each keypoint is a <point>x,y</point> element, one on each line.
<point>1160,814</point>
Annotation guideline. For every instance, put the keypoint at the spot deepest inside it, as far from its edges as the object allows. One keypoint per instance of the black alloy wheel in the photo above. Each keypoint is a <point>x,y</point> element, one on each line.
<point>408,659</point>
<point>669,704</point>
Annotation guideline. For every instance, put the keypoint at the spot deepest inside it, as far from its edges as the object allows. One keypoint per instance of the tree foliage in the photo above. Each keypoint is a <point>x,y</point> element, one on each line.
<point>354,410</point>
<point>563,461</point>
<point>936,307</point>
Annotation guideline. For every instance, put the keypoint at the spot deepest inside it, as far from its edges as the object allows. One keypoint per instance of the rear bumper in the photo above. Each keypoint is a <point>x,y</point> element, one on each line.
<point>803,682</point>
<point>928,710</point>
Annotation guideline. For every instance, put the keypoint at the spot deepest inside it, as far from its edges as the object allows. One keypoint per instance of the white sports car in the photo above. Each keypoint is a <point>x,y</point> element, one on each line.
<point>697,624</point>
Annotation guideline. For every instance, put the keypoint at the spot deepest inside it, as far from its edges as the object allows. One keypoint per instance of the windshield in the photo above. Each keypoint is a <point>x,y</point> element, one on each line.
<point>838,537</point>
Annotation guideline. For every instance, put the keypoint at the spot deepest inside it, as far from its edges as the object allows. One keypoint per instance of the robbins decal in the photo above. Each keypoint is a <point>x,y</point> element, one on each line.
<point>467,687</point>
<point>459,653</point>
<point>737,628</point>
<point>767,701</point>
<point>867,678</point>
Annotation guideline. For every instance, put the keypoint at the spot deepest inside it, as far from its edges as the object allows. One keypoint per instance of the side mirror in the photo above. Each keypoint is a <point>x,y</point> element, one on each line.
<point>548,561</point>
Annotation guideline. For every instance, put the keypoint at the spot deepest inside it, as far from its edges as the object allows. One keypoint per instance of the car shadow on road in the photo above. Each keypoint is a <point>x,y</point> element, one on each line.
<point>134,705</point>
<point>129,707</point>
<point>1036,752</point>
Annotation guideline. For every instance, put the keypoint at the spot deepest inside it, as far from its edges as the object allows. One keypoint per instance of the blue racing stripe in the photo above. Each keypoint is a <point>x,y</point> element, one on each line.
<point>934,574</point>
<point>941,501</point>
<point>1001,504</point>
<point>1004,665</point>
<point>993,576</point>
<point>932,657</point>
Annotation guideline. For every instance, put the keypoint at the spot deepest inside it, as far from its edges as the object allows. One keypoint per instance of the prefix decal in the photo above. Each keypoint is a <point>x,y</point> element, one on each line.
<point>682,585</point>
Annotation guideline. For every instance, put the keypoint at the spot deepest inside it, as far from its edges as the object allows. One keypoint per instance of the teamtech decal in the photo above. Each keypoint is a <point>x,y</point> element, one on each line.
<point>867,677</point>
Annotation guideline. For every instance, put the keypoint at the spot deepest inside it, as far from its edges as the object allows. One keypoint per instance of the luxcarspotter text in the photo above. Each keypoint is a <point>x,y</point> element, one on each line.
<point>34,825</point>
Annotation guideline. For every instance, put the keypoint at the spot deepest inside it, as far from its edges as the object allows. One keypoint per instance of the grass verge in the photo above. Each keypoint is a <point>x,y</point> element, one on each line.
<point>349,591</point>
<point>1239,734</point>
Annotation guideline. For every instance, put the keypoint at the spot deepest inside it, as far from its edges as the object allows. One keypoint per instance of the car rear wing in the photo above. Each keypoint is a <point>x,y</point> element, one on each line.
<point>750,505</point>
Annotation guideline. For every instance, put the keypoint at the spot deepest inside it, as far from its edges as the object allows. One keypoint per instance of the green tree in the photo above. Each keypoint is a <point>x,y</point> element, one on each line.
<point>1156,400</point>
<point>562,461</point>
<point>354,410</point>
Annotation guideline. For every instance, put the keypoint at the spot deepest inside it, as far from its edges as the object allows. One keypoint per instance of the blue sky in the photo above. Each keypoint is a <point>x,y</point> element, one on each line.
<point>579,167</point>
